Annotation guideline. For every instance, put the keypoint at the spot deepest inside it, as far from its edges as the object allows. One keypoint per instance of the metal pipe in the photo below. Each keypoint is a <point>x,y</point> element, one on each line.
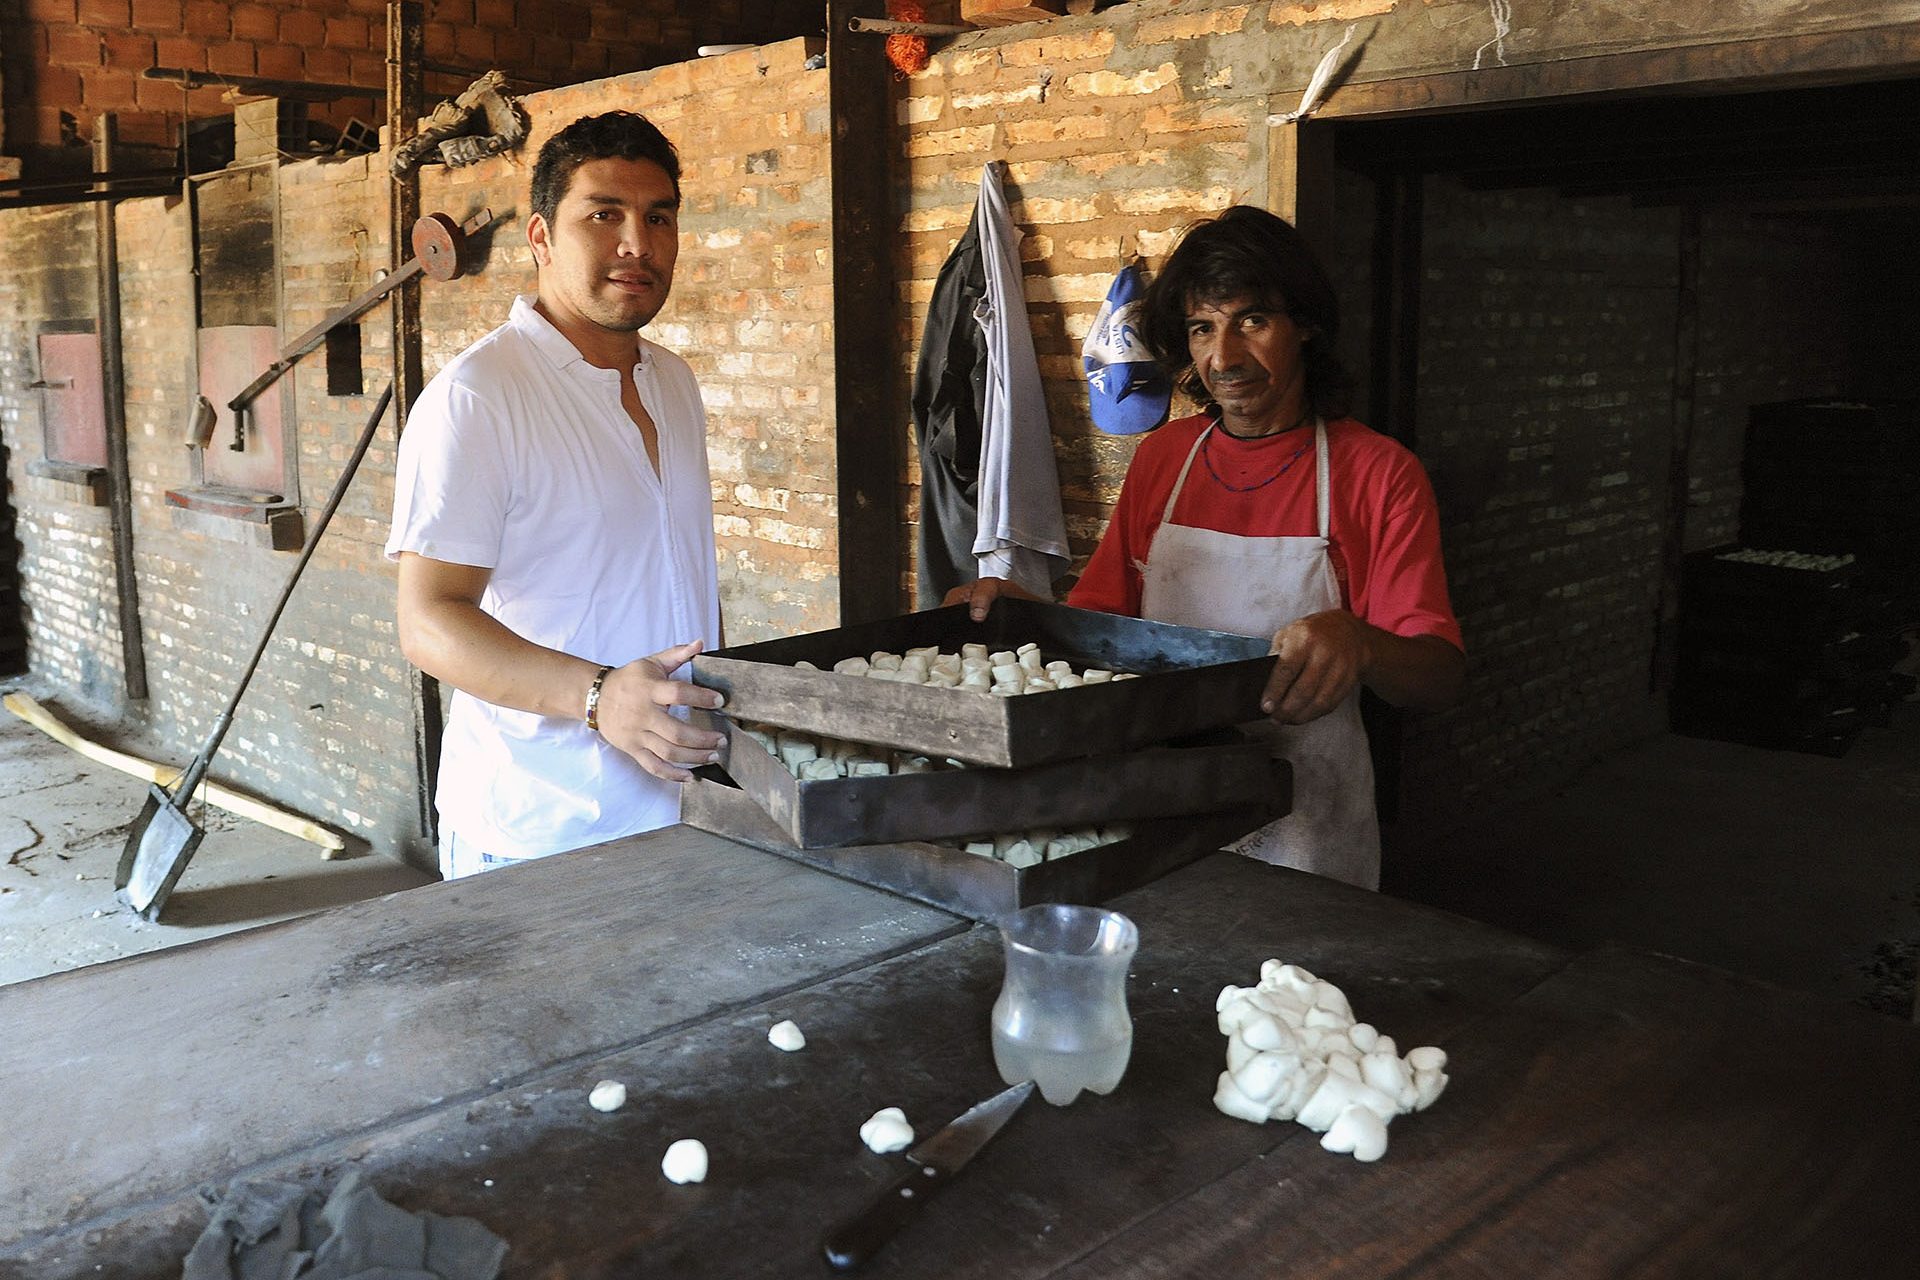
<point>885,27</point>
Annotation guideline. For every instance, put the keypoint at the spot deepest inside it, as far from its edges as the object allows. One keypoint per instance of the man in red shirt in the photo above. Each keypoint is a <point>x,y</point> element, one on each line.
<point>1274,513</point>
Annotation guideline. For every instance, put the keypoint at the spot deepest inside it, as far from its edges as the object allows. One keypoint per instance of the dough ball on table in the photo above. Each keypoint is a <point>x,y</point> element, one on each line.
<point>608,1095</point>
<point>886,661</point>
<point>685,1161</point>
<point>852,666</point>
<point>887,1130</point>
<point>786,1036</point>
<point>970,651</point>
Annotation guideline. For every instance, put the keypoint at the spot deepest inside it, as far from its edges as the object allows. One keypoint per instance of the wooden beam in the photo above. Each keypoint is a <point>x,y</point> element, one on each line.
<point>331,842</point>
<point>133,653</point>
<point>1886,53</point>
<point>406,95</point>
<point>869,428</point>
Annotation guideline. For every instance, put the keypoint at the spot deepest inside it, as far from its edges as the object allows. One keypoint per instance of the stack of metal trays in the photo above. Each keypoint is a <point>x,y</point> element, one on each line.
<point>1087,756</point>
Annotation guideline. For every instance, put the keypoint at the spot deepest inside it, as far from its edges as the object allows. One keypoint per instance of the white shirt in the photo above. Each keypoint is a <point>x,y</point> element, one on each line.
<point>519,458</point>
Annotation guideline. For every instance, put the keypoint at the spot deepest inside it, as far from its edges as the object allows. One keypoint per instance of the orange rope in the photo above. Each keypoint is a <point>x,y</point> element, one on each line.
<point>907,53</point>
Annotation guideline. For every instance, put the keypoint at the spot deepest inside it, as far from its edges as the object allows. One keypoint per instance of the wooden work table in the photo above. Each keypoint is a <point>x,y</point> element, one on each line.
<point>1610,1114</point>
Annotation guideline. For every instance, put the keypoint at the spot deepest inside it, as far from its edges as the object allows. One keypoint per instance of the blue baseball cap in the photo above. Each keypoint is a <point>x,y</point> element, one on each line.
<point>1128,391</point>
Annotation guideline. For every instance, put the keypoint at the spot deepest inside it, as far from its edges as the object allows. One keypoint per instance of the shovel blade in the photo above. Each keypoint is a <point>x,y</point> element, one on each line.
<point>158,849</point>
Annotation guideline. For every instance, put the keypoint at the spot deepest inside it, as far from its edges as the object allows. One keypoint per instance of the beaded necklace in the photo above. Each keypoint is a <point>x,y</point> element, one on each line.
<point>1206,456</point>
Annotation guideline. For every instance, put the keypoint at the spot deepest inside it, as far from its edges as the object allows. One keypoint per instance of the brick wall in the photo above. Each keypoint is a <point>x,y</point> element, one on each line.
<point>65,545</point>
<point>84,57</point>
<point>326,726</point>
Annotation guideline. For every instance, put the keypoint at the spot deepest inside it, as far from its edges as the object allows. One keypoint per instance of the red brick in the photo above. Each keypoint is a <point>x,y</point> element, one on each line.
<point>73,48</point>
<point>129,50</point>
<point>329,65</point>
<point>473,46</point>
<point>233,58</point>
<point>498,14</point>
<point>178,51</point>
<point>569,20</point>
<point>158,15</point>
<point>160,95</point>
<point>110,91</point>
<point>112,14</point>
<point>589,60</point>
<point>367,68</point>
<point>58,87</point>
<point>147,128</point>
<point>255,22</point>
<point>437,39</point>
<point>280,62</point>
<point>348,32</point>
<point>551,54</point>
<point>450,11</point>
<point>205,18</point>
<point>302,27</point>
<point>609,25</point>
<point>52,12</point>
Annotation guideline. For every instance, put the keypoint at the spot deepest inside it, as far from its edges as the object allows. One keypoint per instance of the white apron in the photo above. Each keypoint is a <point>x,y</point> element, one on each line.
<point>1253,587</point>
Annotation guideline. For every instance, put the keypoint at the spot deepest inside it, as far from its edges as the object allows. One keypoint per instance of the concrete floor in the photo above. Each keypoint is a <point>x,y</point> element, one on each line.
<point>63,820</point>
<point>1799,869</point>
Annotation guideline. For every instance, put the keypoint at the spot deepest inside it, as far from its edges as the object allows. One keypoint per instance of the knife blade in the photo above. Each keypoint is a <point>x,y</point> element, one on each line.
<point>931,1165</point>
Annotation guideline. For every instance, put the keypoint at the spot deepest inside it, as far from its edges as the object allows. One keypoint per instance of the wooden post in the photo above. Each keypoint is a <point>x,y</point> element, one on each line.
<point>1300,178</point>
<point>1392,377</point>
<point>406,49</point>
<point>113,384</point>
<point>1686,360</point>
<point>870,435</point>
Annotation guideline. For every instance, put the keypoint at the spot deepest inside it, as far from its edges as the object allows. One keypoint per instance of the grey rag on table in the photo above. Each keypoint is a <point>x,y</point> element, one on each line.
<point>277,1231</point>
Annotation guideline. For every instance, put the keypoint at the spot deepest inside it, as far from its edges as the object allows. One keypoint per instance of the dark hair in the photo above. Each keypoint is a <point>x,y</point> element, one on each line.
<point>617,135</point>
<point>1248,252</point>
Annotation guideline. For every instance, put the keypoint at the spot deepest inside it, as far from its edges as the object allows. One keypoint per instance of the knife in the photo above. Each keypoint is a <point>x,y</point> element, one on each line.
<point>933,1163</point>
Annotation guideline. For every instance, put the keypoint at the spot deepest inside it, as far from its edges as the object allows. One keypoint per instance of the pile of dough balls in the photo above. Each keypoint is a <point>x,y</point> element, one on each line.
<point>813,758</point>
<point>1044,844</point>
<point>1294,1052</point>
<point>1005,672</point>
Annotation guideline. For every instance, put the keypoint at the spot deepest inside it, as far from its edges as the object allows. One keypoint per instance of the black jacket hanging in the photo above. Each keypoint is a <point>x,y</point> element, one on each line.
<point>949,392</point>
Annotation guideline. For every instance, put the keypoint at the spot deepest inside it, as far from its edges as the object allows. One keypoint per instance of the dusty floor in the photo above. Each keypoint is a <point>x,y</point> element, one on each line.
<point>1800,869</point>
<point>63,820</point>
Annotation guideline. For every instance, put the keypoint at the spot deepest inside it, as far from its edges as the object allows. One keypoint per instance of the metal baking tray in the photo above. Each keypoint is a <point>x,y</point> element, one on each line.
<point>1191,680</point>
<point>1157,782</point>
<point>964,883</point>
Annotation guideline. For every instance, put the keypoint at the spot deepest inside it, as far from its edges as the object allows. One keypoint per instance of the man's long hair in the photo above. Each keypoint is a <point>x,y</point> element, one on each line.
<point>616,135</point>
<point>1248,252</point>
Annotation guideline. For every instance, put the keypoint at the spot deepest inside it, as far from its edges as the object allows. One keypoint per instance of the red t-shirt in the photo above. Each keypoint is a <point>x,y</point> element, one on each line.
<point>1385,530</point>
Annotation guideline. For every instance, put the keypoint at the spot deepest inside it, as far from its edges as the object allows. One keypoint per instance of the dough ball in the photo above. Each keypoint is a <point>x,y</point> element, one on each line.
<point>685,1161</point>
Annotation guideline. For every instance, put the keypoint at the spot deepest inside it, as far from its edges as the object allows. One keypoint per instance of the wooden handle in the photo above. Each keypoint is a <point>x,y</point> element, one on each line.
<point>854,1242</point>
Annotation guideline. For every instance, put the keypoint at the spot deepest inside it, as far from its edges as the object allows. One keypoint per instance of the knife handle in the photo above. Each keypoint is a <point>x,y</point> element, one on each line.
<point>854,1242</point>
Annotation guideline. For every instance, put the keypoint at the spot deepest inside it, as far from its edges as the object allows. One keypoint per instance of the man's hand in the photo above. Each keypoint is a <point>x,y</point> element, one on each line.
<point>634,715</point>
<point>981,595</point>
<point>1322,657</point>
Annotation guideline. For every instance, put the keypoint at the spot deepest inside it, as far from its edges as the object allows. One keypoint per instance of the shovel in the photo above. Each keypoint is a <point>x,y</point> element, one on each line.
<point>162,839</point>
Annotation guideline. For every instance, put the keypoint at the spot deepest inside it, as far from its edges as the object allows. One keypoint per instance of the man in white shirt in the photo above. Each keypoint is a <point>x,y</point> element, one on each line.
<point>554,526</point>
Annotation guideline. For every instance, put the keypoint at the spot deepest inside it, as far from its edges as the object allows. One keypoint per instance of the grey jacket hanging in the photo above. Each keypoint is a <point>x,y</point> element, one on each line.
<point>990,496</point>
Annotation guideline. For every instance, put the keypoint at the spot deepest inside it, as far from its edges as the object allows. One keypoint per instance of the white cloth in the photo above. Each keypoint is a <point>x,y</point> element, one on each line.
<point>519,458</point>
<point>1022,533</point>
<point>1253,587</point>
